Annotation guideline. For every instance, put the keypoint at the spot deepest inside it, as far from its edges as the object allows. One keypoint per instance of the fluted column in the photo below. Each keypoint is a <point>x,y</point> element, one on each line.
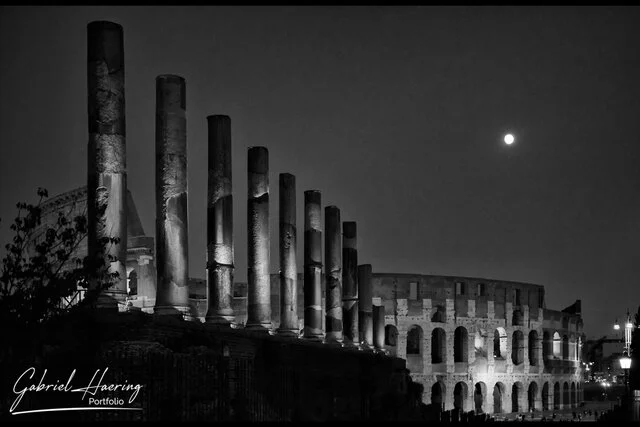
<point>288,264</point>
<point>259,292</point>
<point>172,296</point>
<point>312,265</point>
<point>107,172</point>
<point>333,274</point>
<point>365,305</point>
<point>220,251</point>
<point>350,283</point>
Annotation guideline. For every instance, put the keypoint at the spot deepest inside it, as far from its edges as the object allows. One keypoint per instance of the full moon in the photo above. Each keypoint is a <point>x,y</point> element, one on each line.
<point>508,139</point>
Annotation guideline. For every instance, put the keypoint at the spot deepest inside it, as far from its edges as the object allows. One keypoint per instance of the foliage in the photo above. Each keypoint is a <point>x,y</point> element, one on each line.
<point>40,272</point>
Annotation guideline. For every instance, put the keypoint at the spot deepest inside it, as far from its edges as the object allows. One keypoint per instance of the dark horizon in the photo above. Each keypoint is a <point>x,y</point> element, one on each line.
<point>396,114</point>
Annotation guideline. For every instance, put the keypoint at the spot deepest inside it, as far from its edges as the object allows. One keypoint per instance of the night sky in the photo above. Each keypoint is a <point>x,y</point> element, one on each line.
<point>396,114</point>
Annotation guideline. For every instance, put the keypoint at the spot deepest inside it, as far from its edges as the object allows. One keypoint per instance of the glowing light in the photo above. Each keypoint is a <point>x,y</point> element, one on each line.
<point>616,326</point>
<point>508,139</point>
<point>625,362</point>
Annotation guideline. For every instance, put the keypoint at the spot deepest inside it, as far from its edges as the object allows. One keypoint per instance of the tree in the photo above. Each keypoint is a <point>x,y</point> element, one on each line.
<point>39,272</point>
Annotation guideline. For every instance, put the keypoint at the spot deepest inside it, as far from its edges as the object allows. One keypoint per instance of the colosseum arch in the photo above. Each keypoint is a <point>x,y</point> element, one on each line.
<point>546,346</point>
<point>391,339</point>
<point>517,392</point>
<point>438,346</point>
<point>479,397</point>
<point>545,396</point>
<point>556,396</point>
<point>557,345</point>
<point>498,393</point>
<point>517,348</point>
<point>532,397</point>
<point>460,392</point>
<point>438,391</point>
<point>500,343</point>
<point>415,340</point>
<point>460,345</point>
<point>565,347</point>
<point>574,395</point>
<point>534,344</point>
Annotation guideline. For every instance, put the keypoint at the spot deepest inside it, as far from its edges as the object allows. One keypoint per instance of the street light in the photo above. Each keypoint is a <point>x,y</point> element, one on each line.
<point>625,364</point>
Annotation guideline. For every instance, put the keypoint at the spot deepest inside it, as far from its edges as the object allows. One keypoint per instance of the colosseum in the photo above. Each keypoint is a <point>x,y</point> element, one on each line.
<point>476,344</point>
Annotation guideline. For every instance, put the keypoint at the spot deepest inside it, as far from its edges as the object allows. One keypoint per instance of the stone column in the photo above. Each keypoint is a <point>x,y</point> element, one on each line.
<point>220,250</point>
<point>172,295</point>
<point>288,265</point>
<point>312,265</point>
<point>107,171</point>
<point>350,283</point>
<point>365,305</point>
<point>333,274</point>
<point>259,283</point>
<point>378,327</point>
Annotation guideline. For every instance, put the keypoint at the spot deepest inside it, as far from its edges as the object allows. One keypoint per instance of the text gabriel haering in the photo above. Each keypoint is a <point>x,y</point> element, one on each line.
<point>22,386</point>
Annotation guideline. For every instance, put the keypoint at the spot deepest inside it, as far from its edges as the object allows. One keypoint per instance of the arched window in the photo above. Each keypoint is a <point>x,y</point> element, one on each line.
<point>516,396</point>
<point>557,345</point>
<point>414,340</point>
<point>533,348</point>
<point>460,345</point>
<point>517,348</point>
<point>546,345</point>
<point>500,343</point>
<point>438,346</point>
<point>545,396</point>
<point>460,392</point>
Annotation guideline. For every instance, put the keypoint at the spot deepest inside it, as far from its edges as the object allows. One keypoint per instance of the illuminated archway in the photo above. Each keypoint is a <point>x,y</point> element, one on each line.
<point>557,345</point>
<point>498,393</point>
<point>460,392</point>
<point>479,344</point>
<point>479,397</point>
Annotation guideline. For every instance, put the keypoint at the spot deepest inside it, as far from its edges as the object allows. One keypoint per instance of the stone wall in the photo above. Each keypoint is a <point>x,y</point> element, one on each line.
<point>203,372</point>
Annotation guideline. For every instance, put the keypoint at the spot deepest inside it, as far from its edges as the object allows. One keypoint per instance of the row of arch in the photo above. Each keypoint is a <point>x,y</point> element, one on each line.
<point>559,347</point>
<point>568,395</point>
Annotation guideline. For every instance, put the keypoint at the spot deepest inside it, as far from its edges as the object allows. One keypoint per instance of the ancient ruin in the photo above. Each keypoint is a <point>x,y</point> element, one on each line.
<point>476,344</point>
